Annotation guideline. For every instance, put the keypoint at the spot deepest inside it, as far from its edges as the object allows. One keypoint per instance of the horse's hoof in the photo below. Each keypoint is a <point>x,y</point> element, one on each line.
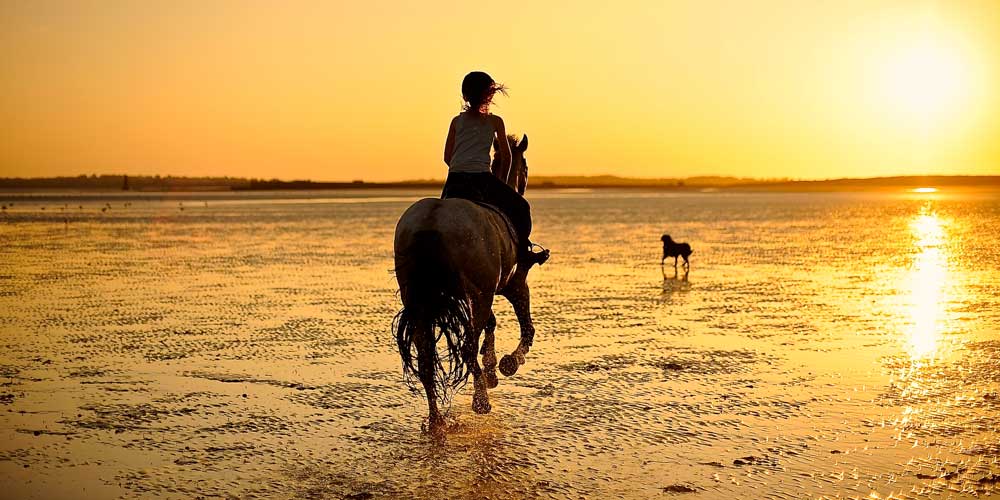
<point>435,425</point>
<point>489,361</point>
<point>481,407</point>
<point>491,380</point>
<point>508,365</point>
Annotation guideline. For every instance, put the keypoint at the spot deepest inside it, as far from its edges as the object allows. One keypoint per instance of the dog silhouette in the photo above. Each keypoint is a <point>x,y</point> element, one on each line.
<point>673,249</point>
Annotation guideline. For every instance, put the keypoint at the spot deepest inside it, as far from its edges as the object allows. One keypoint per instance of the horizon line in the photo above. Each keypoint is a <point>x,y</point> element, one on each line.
<point>536,178</point>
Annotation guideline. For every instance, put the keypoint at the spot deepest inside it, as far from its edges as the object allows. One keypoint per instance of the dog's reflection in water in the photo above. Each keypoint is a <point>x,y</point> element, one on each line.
<point>675,283</point>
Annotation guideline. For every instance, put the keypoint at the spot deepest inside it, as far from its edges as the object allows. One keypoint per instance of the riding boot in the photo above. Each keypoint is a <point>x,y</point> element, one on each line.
<point>530,258</point>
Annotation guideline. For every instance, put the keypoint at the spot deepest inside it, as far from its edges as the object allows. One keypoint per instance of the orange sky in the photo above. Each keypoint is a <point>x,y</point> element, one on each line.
<point>365,90</point>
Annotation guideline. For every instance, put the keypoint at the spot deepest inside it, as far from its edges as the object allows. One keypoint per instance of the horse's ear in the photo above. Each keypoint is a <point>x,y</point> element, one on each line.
<point>523,146</point>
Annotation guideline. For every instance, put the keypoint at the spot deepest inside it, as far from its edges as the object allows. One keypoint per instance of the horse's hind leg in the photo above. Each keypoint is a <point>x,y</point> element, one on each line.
<point>489,352</point>
<point>425,370</point>
<point>520,298</point>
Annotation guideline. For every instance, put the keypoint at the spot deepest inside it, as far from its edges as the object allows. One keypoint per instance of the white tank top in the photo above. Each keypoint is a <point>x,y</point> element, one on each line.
<point>473,140</point>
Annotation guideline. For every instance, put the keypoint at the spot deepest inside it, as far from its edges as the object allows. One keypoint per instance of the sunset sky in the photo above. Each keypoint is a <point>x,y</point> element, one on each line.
<point>365,90</point>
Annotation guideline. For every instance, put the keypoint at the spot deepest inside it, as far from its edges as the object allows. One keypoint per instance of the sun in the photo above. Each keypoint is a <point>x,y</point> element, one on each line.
<point>926,81</point>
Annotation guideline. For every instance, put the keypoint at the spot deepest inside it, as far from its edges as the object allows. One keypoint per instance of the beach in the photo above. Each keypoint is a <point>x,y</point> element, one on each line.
<point>239,345</point>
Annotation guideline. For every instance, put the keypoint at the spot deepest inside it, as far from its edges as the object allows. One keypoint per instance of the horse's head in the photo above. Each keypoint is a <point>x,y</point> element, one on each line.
<point>517,149</point>
<point>517,176</point>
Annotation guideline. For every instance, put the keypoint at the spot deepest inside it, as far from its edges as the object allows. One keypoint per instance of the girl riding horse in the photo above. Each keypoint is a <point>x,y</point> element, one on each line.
<point>467,152</point>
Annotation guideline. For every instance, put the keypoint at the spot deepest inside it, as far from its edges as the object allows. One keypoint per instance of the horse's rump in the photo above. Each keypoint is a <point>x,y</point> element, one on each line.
<point>434,309</point>
<point>447,252</point>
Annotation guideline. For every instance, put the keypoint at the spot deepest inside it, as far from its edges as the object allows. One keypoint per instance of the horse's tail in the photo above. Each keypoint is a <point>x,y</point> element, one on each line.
<point>434,309</point>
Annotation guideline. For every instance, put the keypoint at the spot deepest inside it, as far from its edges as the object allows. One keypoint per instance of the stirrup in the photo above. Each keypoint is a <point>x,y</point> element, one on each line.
<point>537,257</point>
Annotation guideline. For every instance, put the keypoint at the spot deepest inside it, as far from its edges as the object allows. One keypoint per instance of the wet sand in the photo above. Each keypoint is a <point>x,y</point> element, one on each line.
<point>239,346</point>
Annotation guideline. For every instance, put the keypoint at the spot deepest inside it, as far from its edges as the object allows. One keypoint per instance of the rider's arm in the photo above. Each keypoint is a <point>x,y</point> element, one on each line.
<point>449,143</point>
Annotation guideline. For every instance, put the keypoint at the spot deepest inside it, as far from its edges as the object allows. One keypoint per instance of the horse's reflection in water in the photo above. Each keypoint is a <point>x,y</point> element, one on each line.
<point>470,457</point>
<point>489,454</point>
<point>473,457</point>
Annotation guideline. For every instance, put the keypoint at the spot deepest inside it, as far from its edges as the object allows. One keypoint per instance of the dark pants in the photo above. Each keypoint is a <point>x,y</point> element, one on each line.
<point>486,188</point>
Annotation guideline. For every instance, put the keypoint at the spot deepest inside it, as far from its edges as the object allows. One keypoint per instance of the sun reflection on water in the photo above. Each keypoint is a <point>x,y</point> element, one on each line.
<point>927,285</point>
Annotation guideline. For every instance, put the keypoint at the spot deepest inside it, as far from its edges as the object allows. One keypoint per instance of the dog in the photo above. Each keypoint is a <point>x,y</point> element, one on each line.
<point>673,249</point>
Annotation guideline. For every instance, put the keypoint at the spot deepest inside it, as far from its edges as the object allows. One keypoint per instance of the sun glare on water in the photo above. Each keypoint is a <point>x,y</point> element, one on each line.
<point>925,190</point>
<point>927,285</point>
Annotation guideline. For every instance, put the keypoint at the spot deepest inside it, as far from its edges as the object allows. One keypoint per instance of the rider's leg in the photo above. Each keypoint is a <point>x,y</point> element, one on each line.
<point>519,211</point>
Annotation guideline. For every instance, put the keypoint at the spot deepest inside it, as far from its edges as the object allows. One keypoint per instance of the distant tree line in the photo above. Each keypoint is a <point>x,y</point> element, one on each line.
<point>131,182</point>
<point>172,183</point>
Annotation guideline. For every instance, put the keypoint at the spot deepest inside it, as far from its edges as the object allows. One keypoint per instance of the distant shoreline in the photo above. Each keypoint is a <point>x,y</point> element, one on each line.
<point>121,183</point>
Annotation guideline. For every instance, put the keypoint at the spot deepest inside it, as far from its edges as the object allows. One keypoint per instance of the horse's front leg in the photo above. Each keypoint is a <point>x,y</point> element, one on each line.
<point>489,352</point>
<point>480,399</point>
<point>520,298</point>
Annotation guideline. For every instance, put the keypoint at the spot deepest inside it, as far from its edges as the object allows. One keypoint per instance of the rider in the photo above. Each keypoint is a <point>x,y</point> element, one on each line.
<point>467,153</point>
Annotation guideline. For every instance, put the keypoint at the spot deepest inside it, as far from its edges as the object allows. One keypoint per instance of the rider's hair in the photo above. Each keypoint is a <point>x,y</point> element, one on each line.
<point>478,89</point>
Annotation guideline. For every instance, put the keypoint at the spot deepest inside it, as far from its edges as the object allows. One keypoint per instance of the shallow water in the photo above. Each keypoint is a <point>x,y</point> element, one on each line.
<point>238,345</point>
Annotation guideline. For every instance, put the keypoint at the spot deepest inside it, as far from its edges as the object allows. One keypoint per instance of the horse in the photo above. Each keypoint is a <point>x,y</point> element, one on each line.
<point>452,257</point>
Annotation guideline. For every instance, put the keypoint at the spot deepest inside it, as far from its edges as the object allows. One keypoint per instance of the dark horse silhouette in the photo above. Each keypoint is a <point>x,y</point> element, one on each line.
<point>452,257</point>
